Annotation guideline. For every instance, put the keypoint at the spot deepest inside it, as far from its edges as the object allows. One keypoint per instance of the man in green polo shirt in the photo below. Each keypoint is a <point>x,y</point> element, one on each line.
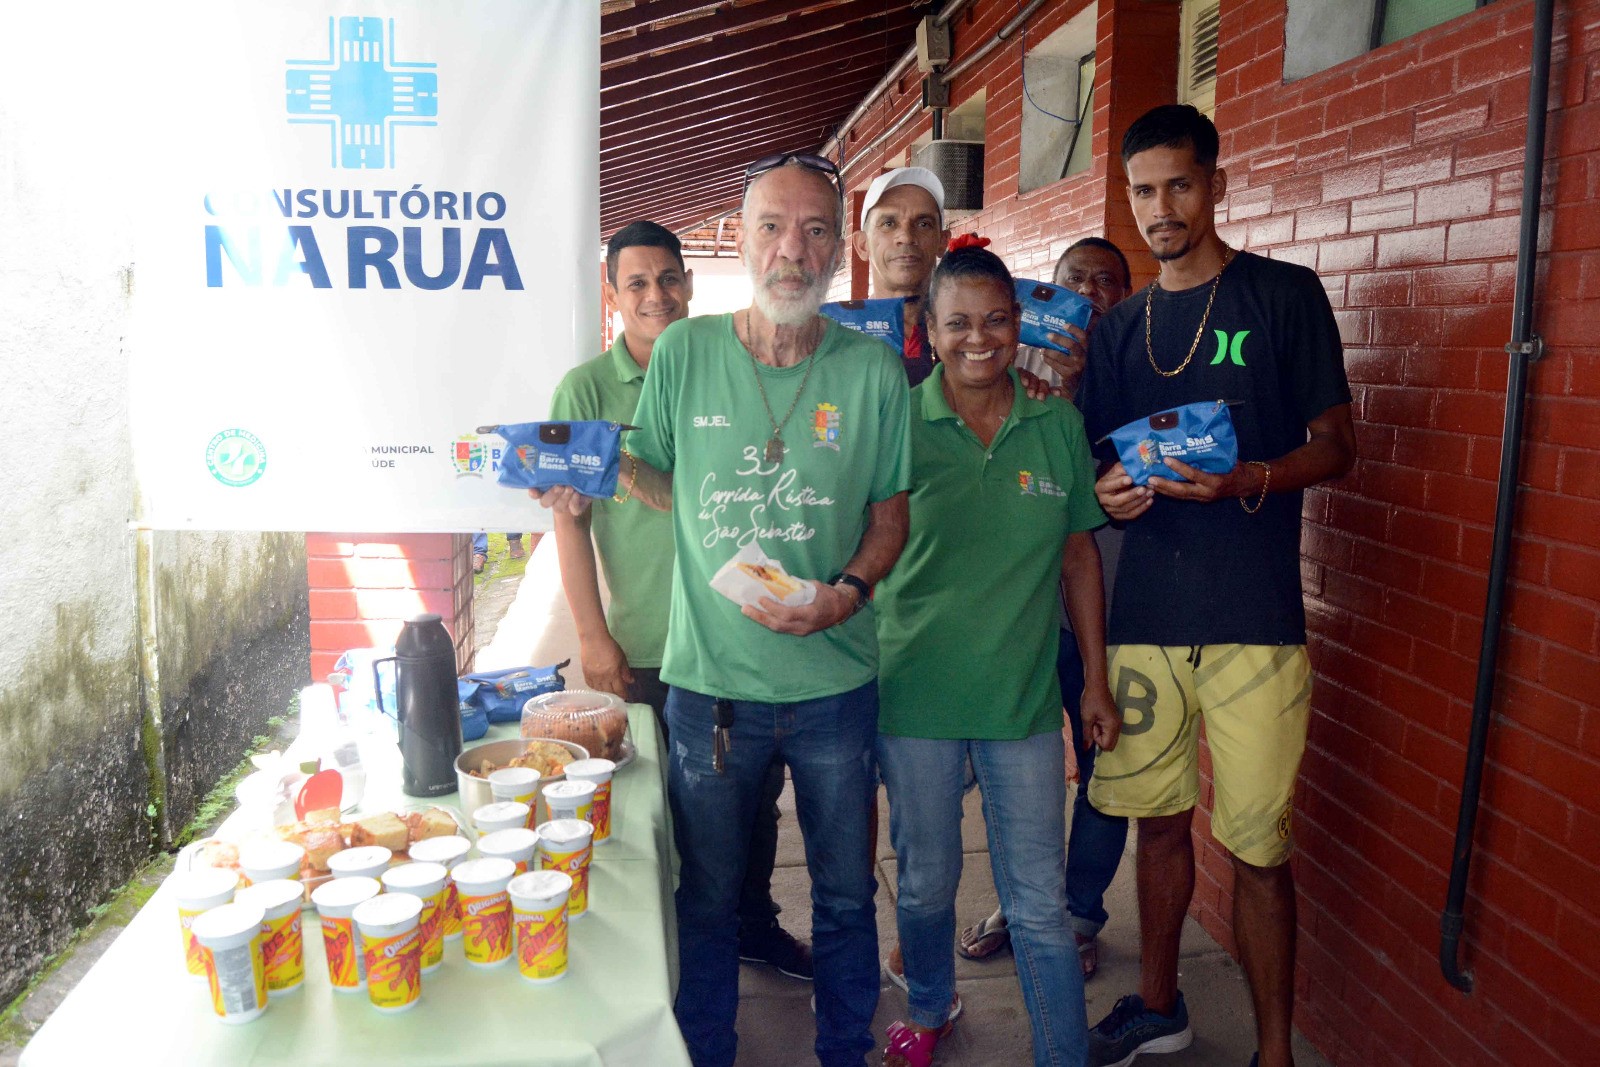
<point>621,650</point>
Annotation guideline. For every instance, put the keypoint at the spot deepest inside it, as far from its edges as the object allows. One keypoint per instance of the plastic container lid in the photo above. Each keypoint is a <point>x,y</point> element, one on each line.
<point>276,897</point>
<point>389,914</point>
<point>228,925</point>
<point>337,897</point>
<point>593,720</point>
<point>514,776</point>
<point>593,769</point>
<point>539,888</point>
<point>445,850</point>
<point>423,879</point>
<point>362,858</point>
<point>488,875</point>
<point>508,842</point>
<point>270,855</point>
<point>558,833</point>
<point>568,790</point>
<point>205,887</point>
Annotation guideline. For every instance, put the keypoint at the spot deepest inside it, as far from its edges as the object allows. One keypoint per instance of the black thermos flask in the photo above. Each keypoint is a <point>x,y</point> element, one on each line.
<point>429,710</point>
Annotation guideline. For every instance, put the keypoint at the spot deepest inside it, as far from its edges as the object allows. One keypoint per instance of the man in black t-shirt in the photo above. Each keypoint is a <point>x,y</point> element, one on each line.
<point>1207,619</point>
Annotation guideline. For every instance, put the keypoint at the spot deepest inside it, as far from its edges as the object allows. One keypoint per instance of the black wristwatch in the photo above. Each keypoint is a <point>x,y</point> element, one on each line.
<point>863,590</point>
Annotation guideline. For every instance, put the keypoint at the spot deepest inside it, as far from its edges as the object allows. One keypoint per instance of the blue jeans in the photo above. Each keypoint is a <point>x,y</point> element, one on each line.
<point>1097,840</point>
<point>1024,807</point>
<point>480,542</point>
<point>827,744</point>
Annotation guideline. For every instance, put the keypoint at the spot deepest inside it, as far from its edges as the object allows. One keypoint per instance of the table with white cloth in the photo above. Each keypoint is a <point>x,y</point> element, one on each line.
<point>138,1004</point>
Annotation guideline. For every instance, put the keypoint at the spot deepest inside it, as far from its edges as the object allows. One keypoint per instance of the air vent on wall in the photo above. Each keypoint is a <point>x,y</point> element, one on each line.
<point>1197,57</point>
<point>959,165</point>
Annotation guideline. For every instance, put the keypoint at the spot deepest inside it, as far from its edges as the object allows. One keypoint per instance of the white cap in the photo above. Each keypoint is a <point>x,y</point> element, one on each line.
<point>921,177</point>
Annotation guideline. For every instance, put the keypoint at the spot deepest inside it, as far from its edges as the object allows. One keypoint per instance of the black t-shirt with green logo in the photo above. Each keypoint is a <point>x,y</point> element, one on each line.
<point>1195,574</point>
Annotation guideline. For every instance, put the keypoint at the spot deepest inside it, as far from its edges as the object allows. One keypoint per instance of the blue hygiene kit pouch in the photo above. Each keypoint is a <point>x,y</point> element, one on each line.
<point>474,723</point>
<point>1199,434</point>
<point>501,694</point>
<point>883,319</point>
<point>1046,309</point>
<point>543,455</point>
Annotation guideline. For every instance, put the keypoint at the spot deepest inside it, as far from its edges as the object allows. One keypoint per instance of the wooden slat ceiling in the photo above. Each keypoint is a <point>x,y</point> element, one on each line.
<point>691,91</point>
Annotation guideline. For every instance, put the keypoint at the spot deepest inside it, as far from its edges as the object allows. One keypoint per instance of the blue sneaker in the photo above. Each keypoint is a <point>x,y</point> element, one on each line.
<point>1131,1029</point>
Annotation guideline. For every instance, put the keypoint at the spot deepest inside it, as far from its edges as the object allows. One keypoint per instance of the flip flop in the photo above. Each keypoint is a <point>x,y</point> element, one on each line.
<point>912,1048</point>
<point>983,939</point>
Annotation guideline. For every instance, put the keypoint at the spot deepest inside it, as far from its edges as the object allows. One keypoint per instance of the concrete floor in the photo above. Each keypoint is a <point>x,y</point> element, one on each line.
<point>775,1023</point>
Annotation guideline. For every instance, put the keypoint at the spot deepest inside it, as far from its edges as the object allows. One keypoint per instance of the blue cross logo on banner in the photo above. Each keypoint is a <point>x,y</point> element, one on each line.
<point>361,93</point>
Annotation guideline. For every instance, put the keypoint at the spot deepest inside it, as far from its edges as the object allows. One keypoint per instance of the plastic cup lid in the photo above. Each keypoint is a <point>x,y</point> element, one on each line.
<point>503,841</point>
<point>583,768</point>
<point>540,885</point>
<point>440,849</point>
<point>345,892</point>
<point>483,871</point>
<point>574,700</point>
<point>390,909</point>
<point>414,876</point>
<point>204,883</point>
<point>360,858</point>
<point>513,776</point>
<point>568,790</point>
<point>227,920</point>
<point>505,809</point>
<point>271,895</point>
<point>260,855</point>
<point>559,832</point>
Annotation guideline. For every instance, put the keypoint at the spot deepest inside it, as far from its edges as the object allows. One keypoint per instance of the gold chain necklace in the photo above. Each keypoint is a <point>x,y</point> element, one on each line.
<point>775,447</point>
<point>1149,299</point>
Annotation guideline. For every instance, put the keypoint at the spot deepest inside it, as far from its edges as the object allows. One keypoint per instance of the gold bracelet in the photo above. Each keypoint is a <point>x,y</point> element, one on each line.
<point>633,478</point>
<point>1266,483</point>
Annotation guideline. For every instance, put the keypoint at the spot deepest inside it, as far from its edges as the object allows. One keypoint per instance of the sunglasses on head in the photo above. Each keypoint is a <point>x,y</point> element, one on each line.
<point>820,164</point>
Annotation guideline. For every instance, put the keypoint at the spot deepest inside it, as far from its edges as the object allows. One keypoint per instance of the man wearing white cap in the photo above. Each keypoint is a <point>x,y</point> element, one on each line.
<point>901,238</point>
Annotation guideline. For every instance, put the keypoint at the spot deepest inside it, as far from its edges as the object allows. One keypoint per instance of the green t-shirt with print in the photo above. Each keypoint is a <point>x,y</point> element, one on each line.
<point>634,542</point>
<point>847,447</point>
<point>967,620</point>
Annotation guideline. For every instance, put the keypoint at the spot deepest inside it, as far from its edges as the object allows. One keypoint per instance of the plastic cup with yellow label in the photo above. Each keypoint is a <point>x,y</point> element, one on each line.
<point>567,845</point>
<point>517,845</point>
<point>569,800</point>
<point>391,941</point>
<point>426,882</point>
<point>363,861</point>
<point>501,815</point>
<point>519,785</point>
<point>485,909</point>
<point>539,905</point>
<point>270,861</point>
<point>282,942</point>
<point>199,891</point>
<point>598,771</point>
<point>447,852</point>
<point>230,934</point>
<point>336,900</point>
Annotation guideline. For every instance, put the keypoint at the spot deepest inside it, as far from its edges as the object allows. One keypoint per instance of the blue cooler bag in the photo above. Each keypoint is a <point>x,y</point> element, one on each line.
<point>1048,309</point>
<point>500,695</point>
<point>543,455</point>
<point>884,319</point>
<point>1199,434</point>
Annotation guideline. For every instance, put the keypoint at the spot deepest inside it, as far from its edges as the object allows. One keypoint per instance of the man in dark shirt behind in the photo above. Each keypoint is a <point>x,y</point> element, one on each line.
<point>1207,618</point>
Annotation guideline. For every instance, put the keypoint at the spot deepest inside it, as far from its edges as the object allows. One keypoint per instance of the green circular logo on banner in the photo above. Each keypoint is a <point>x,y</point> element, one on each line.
<point>236,457</point>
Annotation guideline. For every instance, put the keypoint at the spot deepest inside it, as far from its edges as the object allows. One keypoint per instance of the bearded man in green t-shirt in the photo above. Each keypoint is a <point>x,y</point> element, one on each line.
<point>774,429</point>
<point>621,648</point>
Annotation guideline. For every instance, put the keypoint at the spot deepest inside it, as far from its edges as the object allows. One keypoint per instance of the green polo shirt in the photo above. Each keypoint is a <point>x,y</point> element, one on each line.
<point>847,447</point>
<point>634,542</point>
<point>967,620</point>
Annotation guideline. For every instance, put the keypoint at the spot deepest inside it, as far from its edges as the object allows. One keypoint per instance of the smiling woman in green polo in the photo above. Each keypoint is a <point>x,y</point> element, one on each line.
<point>1002,502</point>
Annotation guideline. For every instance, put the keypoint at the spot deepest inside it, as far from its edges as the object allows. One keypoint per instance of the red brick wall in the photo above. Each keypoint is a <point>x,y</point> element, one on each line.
<point>1397,177</point>
<point>364,586</point>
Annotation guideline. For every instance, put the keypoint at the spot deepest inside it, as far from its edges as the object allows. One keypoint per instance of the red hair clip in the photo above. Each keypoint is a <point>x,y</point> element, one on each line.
<point>967,240</point>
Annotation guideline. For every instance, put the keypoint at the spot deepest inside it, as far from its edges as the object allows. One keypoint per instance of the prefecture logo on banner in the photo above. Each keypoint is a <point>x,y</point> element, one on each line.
<point>473,457</point>
<point>236,458</point>
<point>361,93</point>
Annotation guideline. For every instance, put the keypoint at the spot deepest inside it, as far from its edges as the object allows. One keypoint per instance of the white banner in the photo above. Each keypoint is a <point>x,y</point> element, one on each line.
<point>364,230</point>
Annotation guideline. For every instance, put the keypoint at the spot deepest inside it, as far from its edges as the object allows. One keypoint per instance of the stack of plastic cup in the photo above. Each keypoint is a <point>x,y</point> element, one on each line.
<point>365,861</point>
<point>270,861</point>
<point>598,771</point>
<point>539,902</point>
<point>341,938</point>
<point>282,945</point>
<point>569,800</point>
<point>516,845</point>
<point>447,852</point>
<point>520,785</point>
<point>567,845</point>
<point>391,940</point>
<point>197,892</point>
<point>501,815</point>
<point>485,909</point>
<point>425,881</point>
<point>231,937</point>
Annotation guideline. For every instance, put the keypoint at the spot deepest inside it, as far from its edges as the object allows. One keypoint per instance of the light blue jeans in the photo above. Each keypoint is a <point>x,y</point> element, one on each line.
<point>1024,804</point>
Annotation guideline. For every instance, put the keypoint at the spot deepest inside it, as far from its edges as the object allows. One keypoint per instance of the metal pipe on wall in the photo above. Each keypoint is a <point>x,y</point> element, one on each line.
<point>1525,346</point>
<point>994,42</point>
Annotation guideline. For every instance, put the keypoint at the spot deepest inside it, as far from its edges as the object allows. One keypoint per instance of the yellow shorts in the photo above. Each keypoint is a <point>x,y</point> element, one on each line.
<point>1256,701</point>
